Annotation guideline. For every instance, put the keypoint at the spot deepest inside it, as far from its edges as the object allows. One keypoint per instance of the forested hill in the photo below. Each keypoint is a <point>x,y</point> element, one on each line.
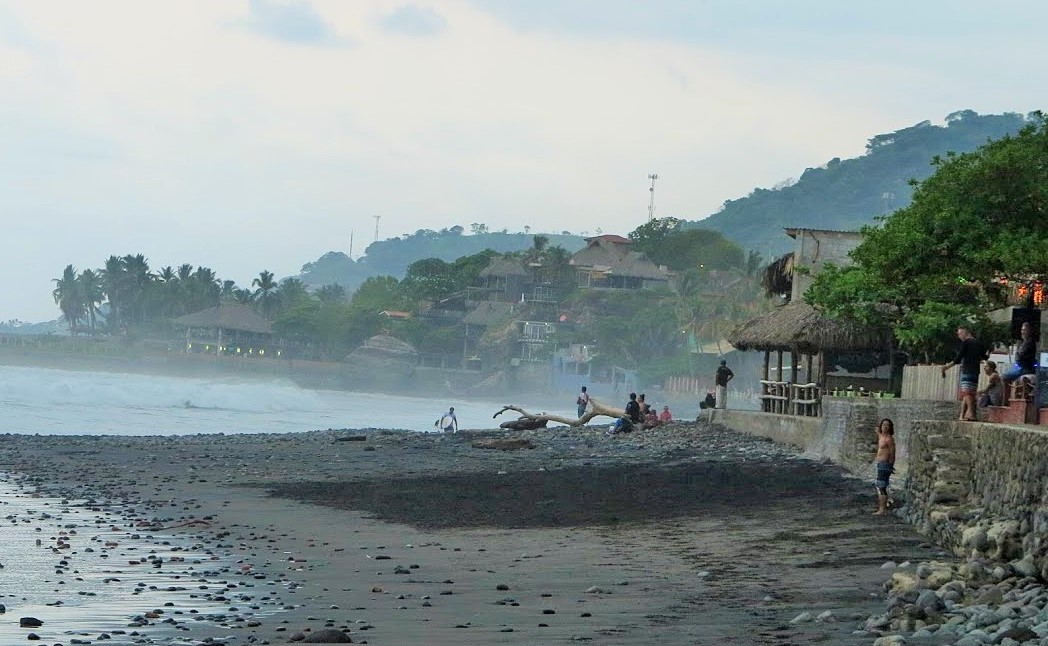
<point>846,194</point>
<point>391,257</point>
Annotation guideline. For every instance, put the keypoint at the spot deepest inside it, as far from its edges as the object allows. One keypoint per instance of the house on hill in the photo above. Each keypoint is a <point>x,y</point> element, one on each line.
<point>609,262</point>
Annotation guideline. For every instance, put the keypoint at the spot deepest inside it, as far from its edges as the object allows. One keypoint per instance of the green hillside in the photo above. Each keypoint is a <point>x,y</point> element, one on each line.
<point>391,257</point>
<point>846,194</point>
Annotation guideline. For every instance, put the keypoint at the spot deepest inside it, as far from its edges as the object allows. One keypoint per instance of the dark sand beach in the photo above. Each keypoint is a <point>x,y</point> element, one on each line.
<point>689,534</point>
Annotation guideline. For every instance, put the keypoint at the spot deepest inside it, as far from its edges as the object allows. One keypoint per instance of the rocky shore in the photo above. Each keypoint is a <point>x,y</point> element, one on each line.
<point>686,534</point>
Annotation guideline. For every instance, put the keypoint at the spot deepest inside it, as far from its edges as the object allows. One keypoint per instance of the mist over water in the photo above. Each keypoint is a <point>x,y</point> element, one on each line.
<point>64,402</point>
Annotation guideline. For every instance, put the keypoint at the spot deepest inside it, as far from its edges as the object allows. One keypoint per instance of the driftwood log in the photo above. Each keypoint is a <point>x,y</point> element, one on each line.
<point>528,421</point>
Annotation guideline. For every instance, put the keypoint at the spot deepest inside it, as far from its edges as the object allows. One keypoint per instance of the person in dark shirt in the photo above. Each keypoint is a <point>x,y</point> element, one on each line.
<point>970,355</point>
<point>1025,355</point>
<point>723,376</point>
<point>633,409</point>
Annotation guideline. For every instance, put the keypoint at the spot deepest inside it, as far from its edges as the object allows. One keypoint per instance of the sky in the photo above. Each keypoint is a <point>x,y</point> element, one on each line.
<point>250,135</point>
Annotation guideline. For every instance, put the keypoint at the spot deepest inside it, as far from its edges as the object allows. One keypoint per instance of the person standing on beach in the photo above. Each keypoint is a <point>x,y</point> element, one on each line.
<point>582,401</point>
<point>885,463</point>
<point>970,354</point>
<point>448,422</point>
<point>723,376</point>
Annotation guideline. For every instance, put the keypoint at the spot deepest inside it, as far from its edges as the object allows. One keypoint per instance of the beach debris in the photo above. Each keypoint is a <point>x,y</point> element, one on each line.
<point>595,409</point>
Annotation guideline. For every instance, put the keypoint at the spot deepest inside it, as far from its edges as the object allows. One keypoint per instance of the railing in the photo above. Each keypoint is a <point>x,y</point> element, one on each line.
<point>805,400</point>
<point>784,398</point>
<point>775,396</point>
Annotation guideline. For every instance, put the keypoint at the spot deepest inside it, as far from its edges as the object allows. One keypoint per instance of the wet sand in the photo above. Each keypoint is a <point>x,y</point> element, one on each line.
<point>685,535</point>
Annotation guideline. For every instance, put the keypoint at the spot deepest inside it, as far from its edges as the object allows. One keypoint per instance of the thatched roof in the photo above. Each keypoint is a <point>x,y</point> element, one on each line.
<point>504,267</point>
<point>612,255</point>
<point>489,313</point>
<point>801,328</point>
<point>777,279</point>
<point>227,317</point>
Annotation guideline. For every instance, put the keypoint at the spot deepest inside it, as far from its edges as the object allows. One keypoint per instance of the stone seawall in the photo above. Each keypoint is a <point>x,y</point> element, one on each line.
<point>982,490</point>
<point>846,433</point>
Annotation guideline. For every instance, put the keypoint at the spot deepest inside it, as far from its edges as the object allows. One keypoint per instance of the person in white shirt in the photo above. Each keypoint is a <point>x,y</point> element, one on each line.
<point>448,422</point>
<point>583,401</point>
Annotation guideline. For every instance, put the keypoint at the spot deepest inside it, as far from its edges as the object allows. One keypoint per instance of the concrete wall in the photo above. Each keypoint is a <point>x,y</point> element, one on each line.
<point>982,489</point>
<point>814,248</point>
<point>846,433</point>
<point>801,432</point>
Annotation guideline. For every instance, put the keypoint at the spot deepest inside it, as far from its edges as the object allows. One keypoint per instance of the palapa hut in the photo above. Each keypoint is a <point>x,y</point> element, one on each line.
<point>813,342</point>
<point>235,330</point>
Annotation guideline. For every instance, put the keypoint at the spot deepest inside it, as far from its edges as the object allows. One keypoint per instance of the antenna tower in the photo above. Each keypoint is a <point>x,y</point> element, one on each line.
<point>377,218</point>
<point>651,204</point>
<point>351,244</point>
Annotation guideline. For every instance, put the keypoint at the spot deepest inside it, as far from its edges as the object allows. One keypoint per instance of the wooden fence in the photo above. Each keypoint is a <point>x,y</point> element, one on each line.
<point>927,382</point>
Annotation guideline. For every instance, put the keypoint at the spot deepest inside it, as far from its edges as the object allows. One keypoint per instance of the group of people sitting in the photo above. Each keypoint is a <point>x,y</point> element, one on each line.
<point>640,413</point>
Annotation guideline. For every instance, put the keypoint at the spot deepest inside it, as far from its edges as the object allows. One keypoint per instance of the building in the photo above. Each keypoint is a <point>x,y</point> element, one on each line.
<point>609,262</point>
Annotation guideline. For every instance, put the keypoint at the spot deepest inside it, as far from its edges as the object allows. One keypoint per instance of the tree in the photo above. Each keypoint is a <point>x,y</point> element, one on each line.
<point>379,293</point>
<point>650,236</point>
<point>666,242</point>
<point>292,292</point>
<point>91,294</point>
<point>113,286</point>
<point>68,297</point>
<point>265,294</point>
<point>333,293</point>
<point>977,222</point>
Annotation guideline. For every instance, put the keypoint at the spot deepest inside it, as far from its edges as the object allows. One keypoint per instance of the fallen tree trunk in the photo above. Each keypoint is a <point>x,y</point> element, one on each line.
<point>526,419</point>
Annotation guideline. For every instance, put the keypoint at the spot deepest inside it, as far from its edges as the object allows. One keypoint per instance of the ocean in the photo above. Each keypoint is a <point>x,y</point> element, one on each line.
<point>68,402</point>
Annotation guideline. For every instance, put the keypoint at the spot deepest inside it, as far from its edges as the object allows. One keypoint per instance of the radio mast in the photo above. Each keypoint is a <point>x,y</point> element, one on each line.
<point>651,204</point>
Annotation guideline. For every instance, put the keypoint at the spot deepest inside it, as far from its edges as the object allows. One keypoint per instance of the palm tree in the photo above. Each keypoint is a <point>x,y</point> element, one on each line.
<point>292,292</point>
<point>91,292</point>
<point>227,291</point>
<point>135,283</point>
<point>265,294</point>
<point>205,288</point>
<point>113,286</point>
<point>67,297</point>
<point>333,293</point>
<point>243,296</point>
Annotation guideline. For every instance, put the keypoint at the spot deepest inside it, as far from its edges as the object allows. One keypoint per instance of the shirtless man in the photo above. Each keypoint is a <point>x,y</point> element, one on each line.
<point>885,461</point>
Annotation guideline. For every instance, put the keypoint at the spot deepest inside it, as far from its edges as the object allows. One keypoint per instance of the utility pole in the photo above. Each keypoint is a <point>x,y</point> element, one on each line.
<point>651,204</point>
<point>377,218</point>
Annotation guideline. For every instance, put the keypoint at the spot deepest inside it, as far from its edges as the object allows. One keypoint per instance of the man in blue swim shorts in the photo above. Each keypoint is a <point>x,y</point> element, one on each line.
<point>970,356</point>
<point>885,461</point>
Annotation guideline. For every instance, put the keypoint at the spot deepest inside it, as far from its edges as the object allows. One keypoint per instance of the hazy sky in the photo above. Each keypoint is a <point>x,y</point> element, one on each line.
<point>256,134</point>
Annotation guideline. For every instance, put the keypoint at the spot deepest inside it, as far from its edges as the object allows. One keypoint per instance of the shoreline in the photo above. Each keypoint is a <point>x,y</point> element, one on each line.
<point>680,535</point>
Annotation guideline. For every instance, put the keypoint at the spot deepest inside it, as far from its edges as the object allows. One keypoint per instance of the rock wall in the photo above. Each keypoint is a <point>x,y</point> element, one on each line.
<point>982,490</point>
<point>846,433</point>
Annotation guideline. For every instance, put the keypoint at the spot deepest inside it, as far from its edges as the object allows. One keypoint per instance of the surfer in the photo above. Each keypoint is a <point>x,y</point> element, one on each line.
<point>448,422</point>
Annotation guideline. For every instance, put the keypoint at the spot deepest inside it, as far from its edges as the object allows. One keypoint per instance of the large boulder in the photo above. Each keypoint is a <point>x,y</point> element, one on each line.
<point>382,359</point>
